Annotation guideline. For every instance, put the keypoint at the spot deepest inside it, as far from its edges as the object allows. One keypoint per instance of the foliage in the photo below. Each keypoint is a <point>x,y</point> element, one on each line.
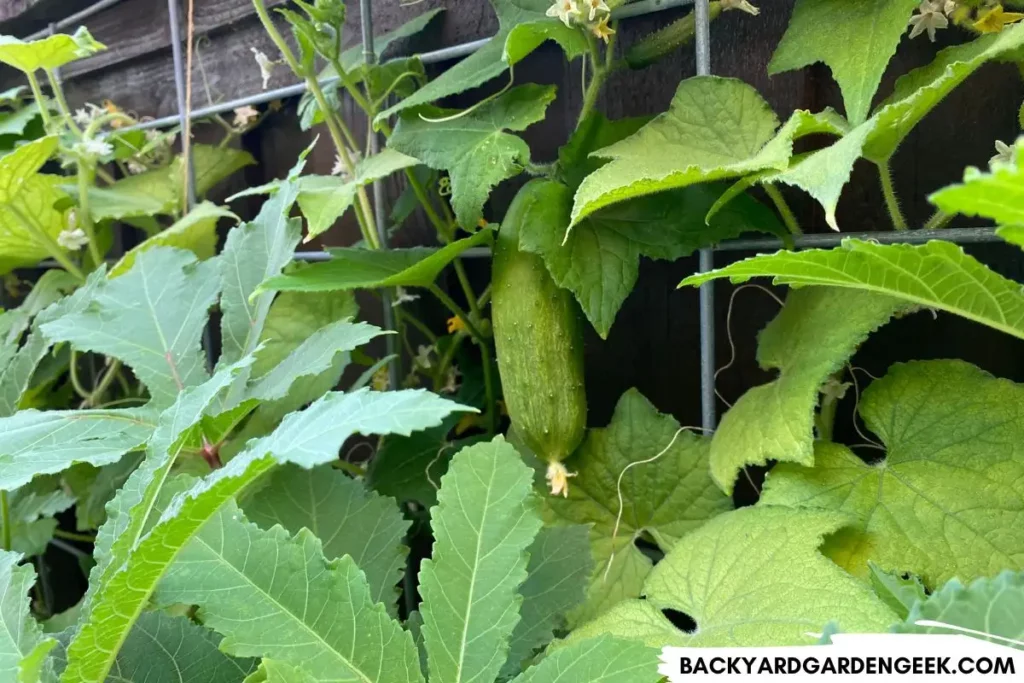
<point>281,499</point>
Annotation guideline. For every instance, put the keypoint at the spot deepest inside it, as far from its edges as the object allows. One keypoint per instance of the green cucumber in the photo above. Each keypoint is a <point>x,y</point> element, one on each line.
<point>539,339</point>
<point>667,40</point>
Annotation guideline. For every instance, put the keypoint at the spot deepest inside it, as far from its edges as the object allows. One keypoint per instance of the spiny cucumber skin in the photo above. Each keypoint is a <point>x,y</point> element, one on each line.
<point>539,339</point>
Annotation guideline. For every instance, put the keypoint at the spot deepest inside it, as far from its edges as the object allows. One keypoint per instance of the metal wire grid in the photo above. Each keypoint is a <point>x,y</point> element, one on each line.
<point>643,7</point>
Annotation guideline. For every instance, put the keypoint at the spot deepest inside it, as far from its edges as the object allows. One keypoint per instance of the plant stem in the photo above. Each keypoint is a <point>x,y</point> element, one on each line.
<point>62,103</point>
<point>37,93</point>
<point>417,323</point>
<point>783,207</point>
<point>5,518</point>
<point>85,182</point>
<point>939,220</point>
<point>596,81</point>
<point>492,406</point>
<point>72,536</point>
<point>354,470</point>
<point>47,242</point>
<point>353,91</point>
<point>892,203</point>
<point>76,383</point>
<point>446,361</point>
<point>104,384</point>
<point>459,313</point>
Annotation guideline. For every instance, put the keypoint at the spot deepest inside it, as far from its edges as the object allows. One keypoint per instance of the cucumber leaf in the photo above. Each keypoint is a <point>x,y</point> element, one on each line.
<point>856,38</point>
<point>483,523</point>
<point>347,517</point>
<point>51,52</point>
<point>998,195</point>
<point>23,647</point>
<point>939,505</point>
<point>899,592</point>
<point>936,275</point>
<point>743,595</point>
<point>599,261</point>
<point>163,300</point>
<point>813,336</point>
<point>994,606</point>
<point>21,164</point>
<point>522,28</point>
<point>715,128</point>
<point>324,620</point>
<point>196,232</point>
<point>119,203</point>
<point>663,500</point>
<point>354,268</point>
<point>36,201</point>
<point>1014,234</point>
<point>473,146</point>
<point>597,660</point>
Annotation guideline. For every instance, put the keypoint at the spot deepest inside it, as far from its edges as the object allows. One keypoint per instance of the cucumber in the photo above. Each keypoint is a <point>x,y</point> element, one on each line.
<point>538,335</point>
<point>667,40</point>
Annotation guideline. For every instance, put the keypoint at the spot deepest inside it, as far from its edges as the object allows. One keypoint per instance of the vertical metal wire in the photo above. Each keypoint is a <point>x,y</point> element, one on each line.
<point>179,85</point>
<point>707,258</point>
<point>379,207</point>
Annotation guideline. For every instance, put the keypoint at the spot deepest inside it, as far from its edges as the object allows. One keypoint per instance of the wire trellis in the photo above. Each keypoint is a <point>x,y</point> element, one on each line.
<point>634,9</point>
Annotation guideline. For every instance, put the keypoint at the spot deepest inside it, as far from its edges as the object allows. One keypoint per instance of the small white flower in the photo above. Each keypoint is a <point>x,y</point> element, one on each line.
<point>72,240</point>
<point>339,166</point>
<point>403,297</point>
<point>596,7</point>
<point>93,148</point>
<point>741,5</point>
<point>950,7</point>
<point>245,115</point>
<point>1005,154</point>
<point>451,384</point>
<point>135,168</point>
<point>558,479</point>
<point>266,66</point>
<point>565,10</point>
<point>424,358</point>
<point>82,117</point>
<point>930,17</point>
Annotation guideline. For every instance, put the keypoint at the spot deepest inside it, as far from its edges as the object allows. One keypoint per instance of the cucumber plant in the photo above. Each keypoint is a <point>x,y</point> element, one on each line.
<point>239,532</point>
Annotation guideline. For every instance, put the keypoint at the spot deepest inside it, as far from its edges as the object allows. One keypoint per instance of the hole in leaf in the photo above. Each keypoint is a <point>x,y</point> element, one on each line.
<point>648,548</point>
<point>681,621</point>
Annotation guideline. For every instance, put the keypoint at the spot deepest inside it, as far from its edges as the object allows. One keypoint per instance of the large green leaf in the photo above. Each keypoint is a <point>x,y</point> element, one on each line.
<point>22,164</point>
<point>998,195</point>
<point>715,128</point>
<point>483,523</point>
<point>32,210</point>
<point>347,517</point>
<point>936,275</point>
<point>196,232</point>
<point>151,318</point>
<point>31,513</point>
<point>1014,234</point>
<point>599,260</point>
<point>556,582</point>
<point>899,592</point>
<point>275,596</point>
<point>522,28</point>
<point>309,438</point>
<point>23,648</point>
<point>34,442</point>
<point>662,500</point>
<point>473,147</point>
<point>943,502</point>
<point>166,649</point>
<point>354,268</point>
<point>597,660</point>
<point>51,52</point>
<point>993,606</point>
<point>253,252</point>
<point>813,336</point>
<point>325,199</point>
<point>856,38</point>
<point>118,202</point>
<point>752,577</point>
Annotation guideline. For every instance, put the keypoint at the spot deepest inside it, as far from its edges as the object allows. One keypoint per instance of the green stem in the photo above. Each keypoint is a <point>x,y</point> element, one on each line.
<point>596,81</point>
<point>446,361</point>
<point>104,384</point>
<point>459,313</point>
<point>492,408</point>
<point>417,323</point>
<point>85,183</point>
<point>783,207</point>
<point>353,91</point>
<point>76,383</point>
<point>62,103</point>
<point>892,203</point>
<point>939,220</point>
<point>5,519</point>
<point>354,470</point>
<point>37,93</point>
<point>825,420</point>
<point>72,536</point>
<point>47,242</point>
